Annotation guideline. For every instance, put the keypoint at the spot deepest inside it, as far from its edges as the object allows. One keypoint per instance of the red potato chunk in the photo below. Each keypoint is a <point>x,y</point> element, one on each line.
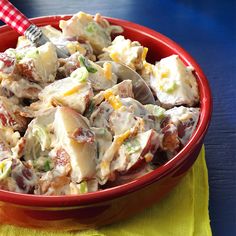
<point>21,179</point>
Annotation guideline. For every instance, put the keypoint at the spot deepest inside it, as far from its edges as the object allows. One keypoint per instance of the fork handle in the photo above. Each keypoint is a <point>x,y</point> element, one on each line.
<point>18,21</point>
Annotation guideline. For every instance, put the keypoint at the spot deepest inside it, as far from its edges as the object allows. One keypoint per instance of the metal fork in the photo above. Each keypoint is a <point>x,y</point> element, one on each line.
<point>19,22</point>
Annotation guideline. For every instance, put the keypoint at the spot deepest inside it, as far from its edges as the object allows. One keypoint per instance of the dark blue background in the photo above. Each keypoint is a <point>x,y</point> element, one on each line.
<point>207,30</point>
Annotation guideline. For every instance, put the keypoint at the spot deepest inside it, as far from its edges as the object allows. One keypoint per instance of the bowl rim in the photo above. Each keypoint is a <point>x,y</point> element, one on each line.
<point>157,174</point>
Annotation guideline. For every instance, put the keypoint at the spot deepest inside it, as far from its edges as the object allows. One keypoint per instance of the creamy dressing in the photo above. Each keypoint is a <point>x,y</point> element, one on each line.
<point>69,126</point>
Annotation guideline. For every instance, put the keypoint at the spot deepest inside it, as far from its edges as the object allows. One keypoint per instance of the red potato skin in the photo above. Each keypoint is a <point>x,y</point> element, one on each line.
<point>151,146</point>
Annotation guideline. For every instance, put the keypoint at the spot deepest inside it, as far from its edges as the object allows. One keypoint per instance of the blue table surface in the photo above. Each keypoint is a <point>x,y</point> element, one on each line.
<point>207,30</point>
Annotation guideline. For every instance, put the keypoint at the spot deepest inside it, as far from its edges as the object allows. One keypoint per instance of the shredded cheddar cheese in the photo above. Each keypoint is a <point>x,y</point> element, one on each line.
<point>144,54</point>
<point>165,73</point>
<point>114,56</point>
<point>72,91</point>
<point>113,100</point>
<point>121,138</point>
<point>107,70</point>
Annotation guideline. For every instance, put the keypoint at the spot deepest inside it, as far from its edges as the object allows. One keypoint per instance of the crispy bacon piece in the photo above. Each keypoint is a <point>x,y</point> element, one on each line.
<point>62,157</point>
<point>170,139</point>
<point>83,135</point>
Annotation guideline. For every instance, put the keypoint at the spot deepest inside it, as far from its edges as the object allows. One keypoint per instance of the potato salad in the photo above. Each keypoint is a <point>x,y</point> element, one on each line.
<point>70,126</point>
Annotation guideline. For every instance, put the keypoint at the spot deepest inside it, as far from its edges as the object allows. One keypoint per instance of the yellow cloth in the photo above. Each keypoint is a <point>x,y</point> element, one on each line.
<point>184,212</point>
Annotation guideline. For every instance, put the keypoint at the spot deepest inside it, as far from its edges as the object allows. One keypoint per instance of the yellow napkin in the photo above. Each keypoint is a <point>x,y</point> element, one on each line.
<point>184,212</point>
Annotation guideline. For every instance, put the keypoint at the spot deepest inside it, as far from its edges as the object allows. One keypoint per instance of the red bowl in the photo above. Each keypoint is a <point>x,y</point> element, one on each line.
<point>110,205</point>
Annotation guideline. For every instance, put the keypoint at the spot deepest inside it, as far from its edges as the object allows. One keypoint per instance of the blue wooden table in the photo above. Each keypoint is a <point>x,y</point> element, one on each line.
<point>207,30</point>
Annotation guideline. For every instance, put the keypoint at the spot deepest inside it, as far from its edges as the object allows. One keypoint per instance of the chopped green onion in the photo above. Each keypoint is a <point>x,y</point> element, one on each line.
<point>47,165</point>
<point>81,74</point>
<point>170,86</point>
<point>155,110</point>
<point>5,168</point>
<point>84,62</point>
<point>83,187</point>
<point>19,56</point>
<point>132,146</point>
<point>92,27</point>
<point>32,54</point>
<point>43,163</point>
<point>42,135</point>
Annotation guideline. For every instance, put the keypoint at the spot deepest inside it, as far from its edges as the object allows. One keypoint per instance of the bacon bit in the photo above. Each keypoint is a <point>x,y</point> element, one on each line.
<point>20,147</point>
<point>62,157</point>
<point>20,121</point>
<point>32,91</point>
<point>82,135</point>
<point>170,140</point>
<point>54,184</point>
<point>26,70</point>
<point>60,181</point>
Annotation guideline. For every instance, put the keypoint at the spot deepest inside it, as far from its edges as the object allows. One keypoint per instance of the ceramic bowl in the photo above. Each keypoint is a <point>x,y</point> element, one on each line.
<point>117,203</point>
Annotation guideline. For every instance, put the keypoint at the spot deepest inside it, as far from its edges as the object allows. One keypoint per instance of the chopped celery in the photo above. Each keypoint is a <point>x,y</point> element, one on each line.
<point>5,168</point>
<point>84,62</point>
<point>81,74</point>
<point>132,146</point>
<point>40,132</point>
<point>83,187</point>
